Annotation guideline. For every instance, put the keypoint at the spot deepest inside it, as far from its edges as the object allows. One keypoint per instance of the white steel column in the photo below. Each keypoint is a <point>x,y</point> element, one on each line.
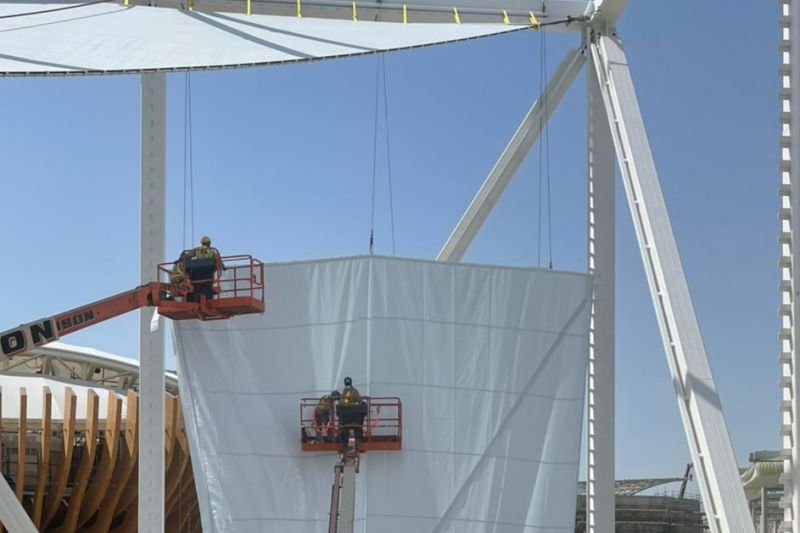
<point>789,262</point>
<point>703,421</point>
<point>12,514</point>
<point>151,348</point>
<point>600,474</point>
<point>511,158</point>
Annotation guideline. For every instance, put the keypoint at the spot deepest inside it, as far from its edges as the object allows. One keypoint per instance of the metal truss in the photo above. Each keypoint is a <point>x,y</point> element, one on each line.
<point>611,90</point>
<point>703,421</point>
<point>511,158</point>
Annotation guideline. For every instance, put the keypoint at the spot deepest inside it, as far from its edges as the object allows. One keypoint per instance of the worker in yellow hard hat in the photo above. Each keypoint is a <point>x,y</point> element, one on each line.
<point>323,415</point>
<point>205,285</point>
<point>177,274</point>
<point>351,411</point>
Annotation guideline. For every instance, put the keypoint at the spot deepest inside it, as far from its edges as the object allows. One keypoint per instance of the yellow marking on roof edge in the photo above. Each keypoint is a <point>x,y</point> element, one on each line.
<point>456,16</point>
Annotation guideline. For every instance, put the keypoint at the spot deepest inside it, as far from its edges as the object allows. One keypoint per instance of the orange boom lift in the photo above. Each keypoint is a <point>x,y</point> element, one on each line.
<point>373,424</point>
<point>238,289</point>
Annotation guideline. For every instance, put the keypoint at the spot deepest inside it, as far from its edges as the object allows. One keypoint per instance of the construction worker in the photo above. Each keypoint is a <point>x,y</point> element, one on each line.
<point>351,412</point>
<point>205,250</point>
<point>205,285</point>
<point>177,275</point>
<point>350,394</point>
<point>323,415</point>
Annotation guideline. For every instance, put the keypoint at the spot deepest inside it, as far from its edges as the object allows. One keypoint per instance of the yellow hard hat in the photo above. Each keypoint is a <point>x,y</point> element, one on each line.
<point>206,240</point>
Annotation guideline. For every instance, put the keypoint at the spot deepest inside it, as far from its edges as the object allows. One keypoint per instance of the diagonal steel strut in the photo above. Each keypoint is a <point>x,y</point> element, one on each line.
<point>701,412</point>
<point>511,158</point>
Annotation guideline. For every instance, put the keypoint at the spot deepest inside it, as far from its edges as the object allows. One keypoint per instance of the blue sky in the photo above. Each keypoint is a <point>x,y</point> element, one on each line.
<point>283,166</point>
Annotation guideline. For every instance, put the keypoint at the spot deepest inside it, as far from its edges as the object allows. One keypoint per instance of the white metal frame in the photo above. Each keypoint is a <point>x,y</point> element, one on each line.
<point>511,158</point>
<point>600,464</point>
<point>698,401</point>
<point>151,367</point>
<point>611,85</point>
<point>703,421</point>
<point>789,260</point>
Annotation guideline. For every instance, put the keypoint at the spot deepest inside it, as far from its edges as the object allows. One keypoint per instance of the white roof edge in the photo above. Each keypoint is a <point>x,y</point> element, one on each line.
<point>95,356</point>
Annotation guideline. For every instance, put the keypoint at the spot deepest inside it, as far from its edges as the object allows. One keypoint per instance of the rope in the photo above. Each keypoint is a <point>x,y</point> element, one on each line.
<point>374,157</point>
<point>388,150</point>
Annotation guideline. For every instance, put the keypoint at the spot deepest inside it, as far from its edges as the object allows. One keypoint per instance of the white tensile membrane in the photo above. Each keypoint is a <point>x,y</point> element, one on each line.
<point>490,364</point>
<point>110,38</point>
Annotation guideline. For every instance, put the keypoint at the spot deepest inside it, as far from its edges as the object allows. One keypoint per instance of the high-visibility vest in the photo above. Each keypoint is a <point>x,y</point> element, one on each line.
<point>325,405</point>
<point>350,395</point>
<point>205,252</point>
<point>177,273</point>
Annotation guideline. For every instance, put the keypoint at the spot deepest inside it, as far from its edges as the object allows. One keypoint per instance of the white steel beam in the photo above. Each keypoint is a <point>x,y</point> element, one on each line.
<point>424,11</point>
<point>151,347</point>
<point>511,158</point>
<point>12,514</point>
<point>703,420</point>
<point>790,262</point>
<point>600,502</point>
<point>606,13</point>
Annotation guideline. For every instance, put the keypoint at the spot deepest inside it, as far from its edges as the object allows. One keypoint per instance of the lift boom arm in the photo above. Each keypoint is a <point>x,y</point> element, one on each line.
<point>241,292</point>
<point>18,340</point>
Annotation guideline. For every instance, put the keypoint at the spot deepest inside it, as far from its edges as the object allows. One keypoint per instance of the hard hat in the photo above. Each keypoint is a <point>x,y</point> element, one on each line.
<point>335,394</point>
<point>348,381</point>
<point>205,240</point>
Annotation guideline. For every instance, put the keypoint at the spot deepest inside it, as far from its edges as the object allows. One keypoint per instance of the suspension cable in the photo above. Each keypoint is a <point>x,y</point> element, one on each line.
<point>374,158</point>
<point>388,150</point>
<point>547,155</point>
<point>543,93</point>
<point>188,165</point>
<point>185,149</point>
<point>191,155</point>
<point>544,156</point>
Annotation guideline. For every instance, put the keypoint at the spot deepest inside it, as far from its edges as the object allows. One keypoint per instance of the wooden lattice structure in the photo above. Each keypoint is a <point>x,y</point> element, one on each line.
<point>84,476</point>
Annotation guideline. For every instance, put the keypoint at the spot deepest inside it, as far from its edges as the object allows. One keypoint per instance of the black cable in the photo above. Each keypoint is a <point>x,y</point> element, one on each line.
<point>53,10</point>
<point>374,156</point>
<point>388,151</point>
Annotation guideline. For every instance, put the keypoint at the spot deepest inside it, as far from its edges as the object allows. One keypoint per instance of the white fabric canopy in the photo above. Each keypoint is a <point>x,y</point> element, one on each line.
<point>109,38</point>
<point>489,362</point>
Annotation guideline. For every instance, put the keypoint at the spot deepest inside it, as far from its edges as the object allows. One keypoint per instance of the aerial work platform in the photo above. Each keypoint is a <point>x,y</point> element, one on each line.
<point>349,429</point>
<point>235,289</point>
<point>382,428</point>
<point>225,287</point>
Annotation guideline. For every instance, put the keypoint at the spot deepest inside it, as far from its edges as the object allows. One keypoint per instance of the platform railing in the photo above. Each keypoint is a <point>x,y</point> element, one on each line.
<point>382,426</point>
<point>241,276</point>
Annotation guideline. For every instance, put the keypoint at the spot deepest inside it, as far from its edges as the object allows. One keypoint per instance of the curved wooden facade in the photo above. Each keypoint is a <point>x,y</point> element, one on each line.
<point>83,477</point>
